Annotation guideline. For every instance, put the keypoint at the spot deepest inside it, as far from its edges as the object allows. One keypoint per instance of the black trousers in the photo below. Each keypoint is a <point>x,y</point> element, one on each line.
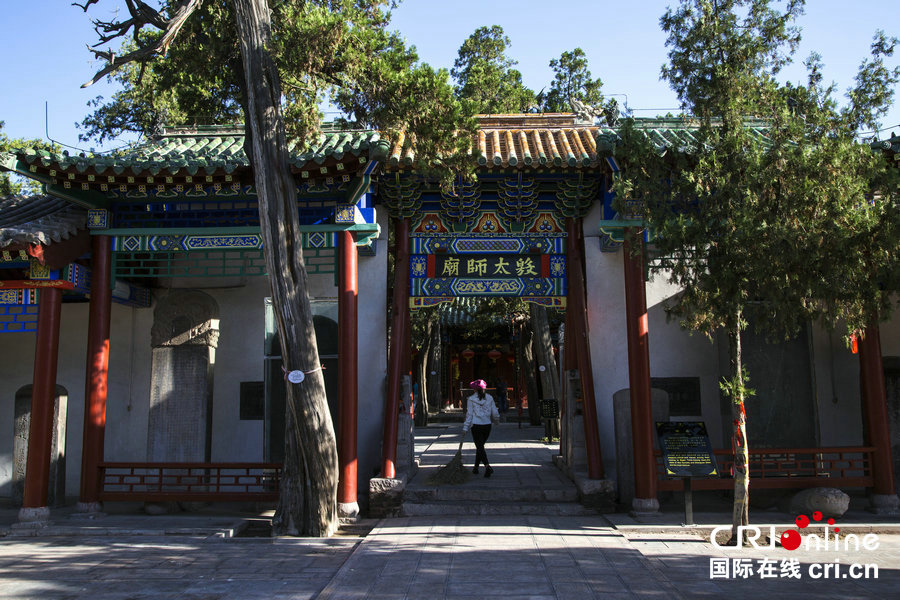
<point>480,435</point>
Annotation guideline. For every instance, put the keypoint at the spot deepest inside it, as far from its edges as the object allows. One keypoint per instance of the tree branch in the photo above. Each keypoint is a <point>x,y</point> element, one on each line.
<point>141,15</point>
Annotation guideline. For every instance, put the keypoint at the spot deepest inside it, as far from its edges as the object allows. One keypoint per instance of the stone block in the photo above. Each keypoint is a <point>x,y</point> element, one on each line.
<point>385,496</point>
<point>832,502</point>
<point>598,494</point>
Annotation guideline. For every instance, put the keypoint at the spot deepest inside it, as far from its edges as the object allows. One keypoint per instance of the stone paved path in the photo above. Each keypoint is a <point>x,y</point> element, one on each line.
<point>578,558</point>
<point>461,557</point>
<point>162,567</point>
<point>453,558</point>
<point>525,480</point>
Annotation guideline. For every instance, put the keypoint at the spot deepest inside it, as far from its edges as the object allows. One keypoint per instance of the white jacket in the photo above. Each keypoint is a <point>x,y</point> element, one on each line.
<point>480,411</point>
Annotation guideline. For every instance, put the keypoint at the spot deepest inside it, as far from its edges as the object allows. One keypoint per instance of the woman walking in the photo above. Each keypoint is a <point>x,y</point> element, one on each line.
<point>481,412</point>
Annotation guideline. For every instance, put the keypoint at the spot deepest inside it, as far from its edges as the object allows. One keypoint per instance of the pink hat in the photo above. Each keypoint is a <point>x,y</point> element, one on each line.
<point>478,383</point>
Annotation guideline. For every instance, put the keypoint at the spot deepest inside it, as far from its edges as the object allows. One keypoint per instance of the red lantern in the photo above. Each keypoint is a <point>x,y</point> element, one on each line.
<point>494,355</point>
<point>511,358</point>
<point>467,354</point>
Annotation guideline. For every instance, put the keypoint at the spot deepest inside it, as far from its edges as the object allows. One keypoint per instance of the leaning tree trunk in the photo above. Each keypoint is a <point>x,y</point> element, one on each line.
<point>544,350</point>
<point>526,360</point>
<point>421,366</point>
<point>307,502</point>
<point>740,510</point>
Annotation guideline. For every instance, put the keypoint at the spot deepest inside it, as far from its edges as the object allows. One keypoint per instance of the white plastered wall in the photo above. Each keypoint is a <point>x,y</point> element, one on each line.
<point>673,351</point>
<point>837,383</point>
<point>239,357</point>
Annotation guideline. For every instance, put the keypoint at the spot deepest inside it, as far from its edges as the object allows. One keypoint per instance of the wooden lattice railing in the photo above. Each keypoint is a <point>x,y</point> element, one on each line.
<point>787,468</point>
<point>202,482</point>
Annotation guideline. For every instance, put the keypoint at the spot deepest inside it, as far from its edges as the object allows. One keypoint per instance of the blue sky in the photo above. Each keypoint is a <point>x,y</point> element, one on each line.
<point>46,59</point>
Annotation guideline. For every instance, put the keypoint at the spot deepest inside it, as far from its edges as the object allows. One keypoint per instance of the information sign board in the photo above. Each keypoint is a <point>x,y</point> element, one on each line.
<point>686,449</point>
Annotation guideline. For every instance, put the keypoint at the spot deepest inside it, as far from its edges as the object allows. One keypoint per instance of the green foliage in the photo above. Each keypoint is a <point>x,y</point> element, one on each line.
<point>485,77</point>
<point>11,185</point>
<point>197,82</point>
<point>347,56</point>
<point>737,389</point>
<point>799,223</point>
<point>572,80</point>
<point>483,320</point>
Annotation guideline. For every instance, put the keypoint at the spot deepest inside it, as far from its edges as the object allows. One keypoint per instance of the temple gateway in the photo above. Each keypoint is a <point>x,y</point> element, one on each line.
<point>140,361</point>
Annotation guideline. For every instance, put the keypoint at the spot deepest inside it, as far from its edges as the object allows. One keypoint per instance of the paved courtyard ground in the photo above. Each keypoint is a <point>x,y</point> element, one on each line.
<point>454,558</point>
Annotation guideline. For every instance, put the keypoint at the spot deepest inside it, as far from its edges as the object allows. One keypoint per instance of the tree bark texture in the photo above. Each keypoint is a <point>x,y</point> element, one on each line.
<point>308,493</point>
<point>544,350</point>
<point>435,365</point>
<point>543,347</point>
<point>741,508</point>
<point>421,374</point>
<point>526,363</point>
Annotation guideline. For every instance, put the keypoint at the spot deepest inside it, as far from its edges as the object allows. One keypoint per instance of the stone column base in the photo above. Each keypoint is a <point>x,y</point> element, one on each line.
<point>34,517</point>
<point>348,512</point>
<point>885,504</point>
<point>644,507</point>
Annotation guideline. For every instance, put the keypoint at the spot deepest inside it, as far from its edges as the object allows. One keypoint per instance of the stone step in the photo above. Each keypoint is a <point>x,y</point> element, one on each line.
<point>455,416</point>
<point>431,509</point>
<point>487,495</point>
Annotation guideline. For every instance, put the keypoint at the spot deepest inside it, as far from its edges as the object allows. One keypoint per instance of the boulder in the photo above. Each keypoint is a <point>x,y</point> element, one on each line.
<point>831,502</point>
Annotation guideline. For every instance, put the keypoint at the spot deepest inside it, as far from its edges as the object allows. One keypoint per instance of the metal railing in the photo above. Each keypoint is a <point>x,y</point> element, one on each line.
<point>202,482</point>
<point>786,468</point>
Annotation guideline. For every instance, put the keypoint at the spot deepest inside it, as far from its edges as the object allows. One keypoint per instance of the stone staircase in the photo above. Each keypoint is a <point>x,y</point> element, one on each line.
<point>525,480</point>
<point>468,499</point>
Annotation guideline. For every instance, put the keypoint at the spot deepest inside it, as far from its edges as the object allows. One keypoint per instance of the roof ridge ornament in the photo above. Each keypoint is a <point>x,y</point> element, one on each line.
<point>584,112</point>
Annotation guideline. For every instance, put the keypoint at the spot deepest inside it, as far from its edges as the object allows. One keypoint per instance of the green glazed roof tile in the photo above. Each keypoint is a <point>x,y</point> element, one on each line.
<point>207,148</point>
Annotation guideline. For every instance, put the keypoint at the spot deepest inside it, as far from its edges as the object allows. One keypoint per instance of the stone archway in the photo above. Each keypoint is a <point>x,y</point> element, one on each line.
<point>184,338</point>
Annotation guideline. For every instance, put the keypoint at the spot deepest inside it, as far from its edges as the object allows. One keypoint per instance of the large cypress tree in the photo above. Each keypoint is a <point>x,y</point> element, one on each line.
<point>775,213</point>
<point>252,52</point>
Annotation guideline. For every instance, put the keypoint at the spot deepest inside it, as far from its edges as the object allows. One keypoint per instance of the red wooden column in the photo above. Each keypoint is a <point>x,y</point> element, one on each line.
<point>96,374</point>
<point>874,395</point>
<point>582,348</point>
<point>37,466</point>
<point>638,333</point>
<point>348,358</point>
<point>396,367</point>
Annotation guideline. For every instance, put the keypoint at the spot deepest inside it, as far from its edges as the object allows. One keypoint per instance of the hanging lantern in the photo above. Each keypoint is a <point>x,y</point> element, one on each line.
<point>511,358</point>
<point>467,354</point>
<point>854,346</point>
<point>494,355</point>
<point>454,360</point>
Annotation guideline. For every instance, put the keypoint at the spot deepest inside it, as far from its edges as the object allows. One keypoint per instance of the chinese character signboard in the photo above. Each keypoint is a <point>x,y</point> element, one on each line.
<point>530,267</point>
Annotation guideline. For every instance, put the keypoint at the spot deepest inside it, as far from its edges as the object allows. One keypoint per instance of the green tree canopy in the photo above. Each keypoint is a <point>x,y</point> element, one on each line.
<point>11,185</point>
<point>348,57</point>
<point>199,82</point>
<point>485,78</point>
<point>335,49</point>
<point>572,80</point>
<point>778,220</point>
